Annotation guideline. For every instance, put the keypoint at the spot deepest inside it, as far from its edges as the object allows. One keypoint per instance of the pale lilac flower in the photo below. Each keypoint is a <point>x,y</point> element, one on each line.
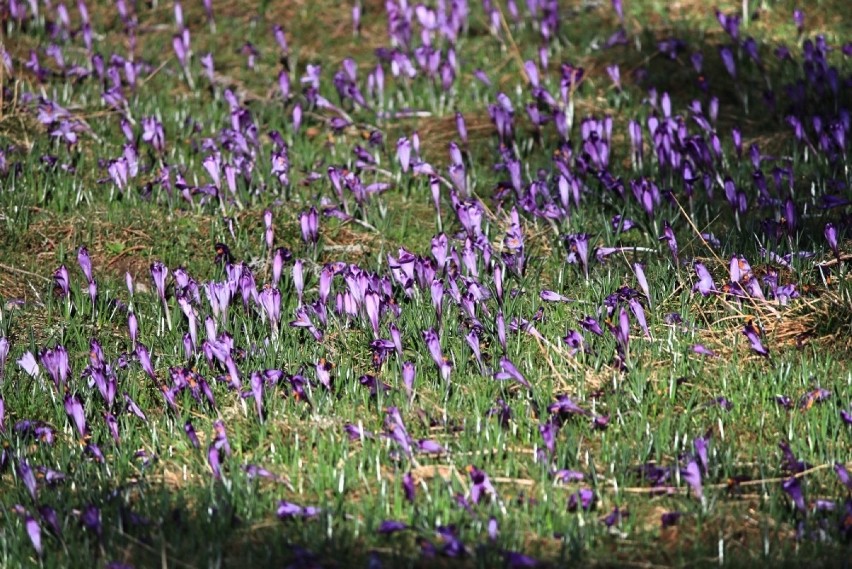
<point>158,274</point>
<point>433,343</point>
<point>509,371</point>
<point>28,363</point>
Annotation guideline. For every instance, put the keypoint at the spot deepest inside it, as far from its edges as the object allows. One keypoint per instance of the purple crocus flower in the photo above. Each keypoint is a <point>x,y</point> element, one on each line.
<point>214,459</point>
<point>220,437</point>
<point>433,343</point>
<point>753,334</point>
<point>158,273</point>
<point>437,292</point>
<point>614,517</point>
<point>112,425</point>
<point>567,476</point>
<point>133,328</point>
<point>461,127</point>
<point>93,291</point>
<point>575,342</point>
<point>727,55</point>
<point>181,50</point>
<point>592,325</point>
<point>600,422</point>
<point>548,433</point>
<point>501,330</point>
<point>578,250</point>
<point>493,529</point>
<point>55,361</point>
<point>552,296</point>
<point>134,408</point>
<point>784,401</point>
<point>90,517</point>
<point>614,73</point>
<point>843,475</point>
<point>583,499</point>
<point>622,331</point>
<point>373,308</point>
<point>28,363</point>
<point>145,360</point>
<point>48,515</point>
<point>74,409</point>
<point>356,432</point>
<point>256,382</point>
<point>481,485</point>
<point>517,560</point>
<point>403,153</point>
<point>270,300</point>
<point>254,471</point>
<point>190,433</point>
<point>304,321</point>
<point>564,405</point>
<point>323,370</point>
<point>27,476</point>
<point>396,430</point>
<point>705,283</point>
<point>408,487</point>
<point>85,262</point>
<point>669,237</point>
<point>288,511</point>
<point>34,533</point>
<point>269,232</point>
<point>219,295</point>
<point>509,371</point>
<point>153,134</point>
<point>670,519</point>
<point>299,279</point>
<point>232,374</point>
<point>814,396</point>
<point>38,429</point>
<point>389,527</point>
<point>408,374</point>
<point>639,270</point>
<point>309,222</point>
<point>793,488</point>
<point>789,462</point>
<point>799,19</point>
<point>639,314</point>
<point>691,473</point>
<point>62,281</point>
<point>428,446</point>
<point>831,237</point>
<point>701,350</point>
<point>281,39</point>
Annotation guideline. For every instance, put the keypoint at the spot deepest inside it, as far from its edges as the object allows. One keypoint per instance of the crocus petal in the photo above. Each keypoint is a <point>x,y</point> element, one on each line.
<point>74,409</point>
<point>389,527</point>
<point>190,433</point>
<point>509,371</point>
<point>793,488</point>
<point>289,510</point>
<point>843,475</point>
<point>408,487</point>
<point>753,335</point>
<point>34,533</point>
<point>692,475</point>
<point>29,364</point>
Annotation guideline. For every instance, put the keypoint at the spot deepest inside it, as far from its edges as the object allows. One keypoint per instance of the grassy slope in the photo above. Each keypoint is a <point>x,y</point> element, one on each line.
<point>657,408</point>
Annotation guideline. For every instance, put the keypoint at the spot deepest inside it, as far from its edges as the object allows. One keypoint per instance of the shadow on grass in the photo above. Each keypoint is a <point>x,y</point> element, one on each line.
<point>158,526</point>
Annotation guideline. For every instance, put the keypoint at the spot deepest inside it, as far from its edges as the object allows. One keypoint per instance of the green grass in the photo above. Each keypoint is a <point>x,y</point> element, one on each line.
<point>172,512</point>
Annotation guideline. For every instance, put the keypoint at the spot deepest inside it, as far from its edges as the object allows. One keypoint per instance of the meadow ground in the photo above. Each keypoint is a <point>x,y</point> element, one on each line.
<point>490,284</point>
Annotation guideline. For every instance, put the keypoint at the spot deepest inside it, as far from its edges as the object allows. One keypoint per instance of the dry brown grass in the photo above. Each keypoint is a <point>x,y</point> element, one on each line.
<point>115,247</point>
